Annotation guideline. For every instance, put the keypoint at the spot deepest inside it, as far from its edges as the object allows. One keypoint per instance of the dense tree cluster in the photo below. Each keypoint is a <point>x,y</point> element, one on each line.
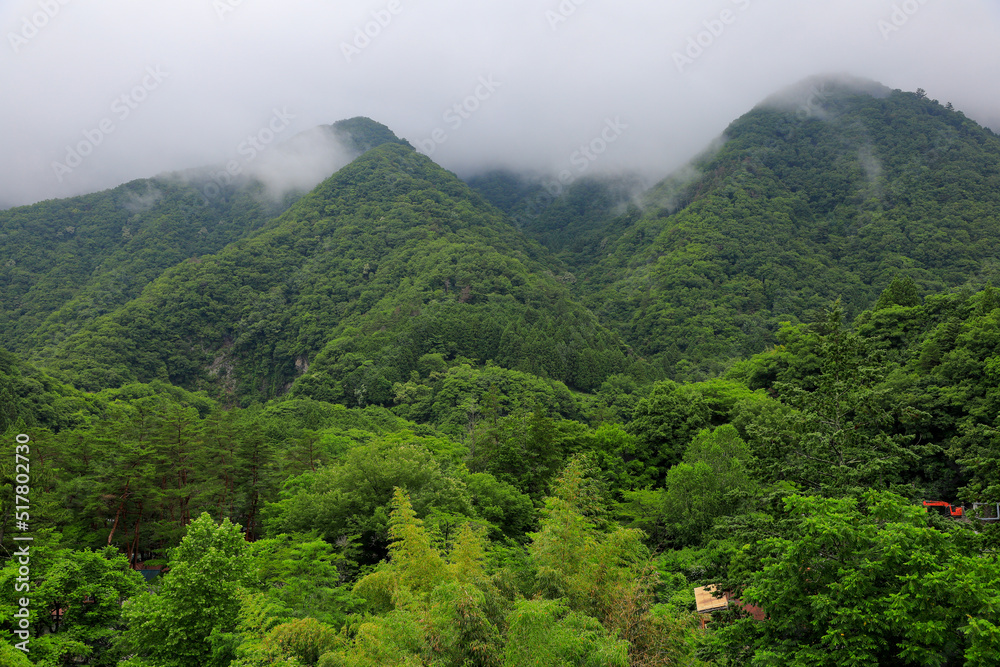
<point>384,428</point>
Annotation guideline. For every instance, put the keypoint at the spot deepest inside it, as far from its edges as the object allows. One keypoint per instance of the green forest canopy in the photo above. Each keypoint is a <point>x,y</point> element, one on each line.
<point>390,426</point>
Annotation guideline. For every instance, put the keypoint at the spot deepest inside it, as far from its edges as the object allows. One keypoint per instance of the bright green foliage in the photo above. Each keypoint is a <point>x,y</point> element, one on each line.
<point>444,611</point>
<point>466,560</point>
<point>395,638</point>
<point>305,639</point>
<point>837,439</point>
<point>565,547</point>
<point>243,644</point>
<point>264,635</point>
<point>663,424</point>
<point>606,576</point>
<point>306,576</point>
<point>614,451</point>
<point>545,632</point>
<point>419,565</point>
<point>200,594</point>
<point>87,587</point>
<point>12,657</point>
<point>447,611</point>
<point>508,511</point>
<point>353,497</point>
<point>865,583</point>
<point>712,481</point>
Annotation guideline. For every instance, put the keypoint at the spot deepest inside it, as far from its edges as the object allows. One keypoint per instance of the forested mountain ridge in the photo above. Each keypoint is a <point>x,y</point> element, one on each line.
<point>65,262</point>
<point>86,255</point>
<point>801,207</point>
<point>577,221</point>
<point>383,429</point>
<point>825,191</point>
<point>389,243</point>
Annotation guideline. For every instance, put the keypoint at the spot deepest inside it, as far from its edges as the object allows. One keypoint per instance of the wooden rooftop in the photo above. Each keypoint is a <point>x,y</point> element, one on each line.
<point>706,601</point>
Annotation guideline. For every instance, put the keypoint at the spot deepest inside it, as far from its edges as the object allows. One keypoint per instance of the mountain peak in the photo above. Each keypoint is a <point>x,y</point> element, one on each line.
<point>362,134</point>
<point>814,94</point>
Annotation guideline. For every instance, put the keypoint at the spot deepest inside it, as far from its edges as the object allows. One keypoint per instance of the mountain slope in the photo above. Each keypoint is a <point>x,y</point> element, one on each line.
<point>576,221</point>
<point>89,254</point>
<point>390,258</point>
<point>823,193</point>
<point>65,262</point>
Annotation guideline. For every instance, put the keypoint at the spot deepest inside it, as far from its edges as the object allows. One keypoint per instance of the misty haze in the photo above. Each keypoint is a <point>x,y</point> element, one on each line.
<point>499,333</point>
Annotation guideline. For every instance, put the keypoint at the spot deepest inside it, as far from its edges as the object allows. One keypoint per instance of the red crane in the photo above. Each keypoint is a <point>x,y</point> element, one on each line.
<point>957,512</point>
<point>987,512</point>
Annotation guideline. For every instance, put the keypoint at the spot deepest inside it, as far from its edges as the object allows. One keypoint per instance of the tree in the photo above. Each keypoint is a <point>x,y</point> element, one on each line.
<point>663,425</point>
<point>304,638</point>
<point>200,593</point>
<point>902,291</point>
<point>353,496</point>
<point>430,609</point>
<point>605,579</point>
<point>867,581</point>
<point>838,437</point>
<point>546,632</point>
<point>307,576</point>
<point>77,600</point>
<point>712,481</point>
<point>12,657</point>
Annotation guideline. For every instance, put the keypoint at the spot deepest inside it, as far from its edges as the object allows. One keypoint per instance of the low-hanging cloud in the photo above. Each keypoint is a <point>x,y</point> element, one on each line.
<point>301,162</point>
<point>124,90</point>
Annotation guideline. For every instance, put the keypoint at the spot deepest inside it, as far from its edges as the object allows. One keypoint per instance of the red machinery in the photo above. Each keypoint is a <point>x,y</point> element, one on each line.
<point>985,512</point>
<point>957,512</point>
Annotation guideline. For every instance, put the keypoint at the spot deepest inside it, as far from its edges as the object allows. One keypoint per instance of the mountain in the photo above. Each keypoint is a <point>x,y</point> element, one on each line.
<point>65,262</point>
<point>390,259</point>
<point>825,192</point>
<point>575,221</point>
<point>421,383</point>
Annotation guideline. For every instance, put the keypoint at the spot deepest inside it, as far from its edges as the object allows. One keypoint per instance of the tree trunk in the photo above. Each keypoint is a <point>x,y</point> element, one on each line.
<point>118,514</point>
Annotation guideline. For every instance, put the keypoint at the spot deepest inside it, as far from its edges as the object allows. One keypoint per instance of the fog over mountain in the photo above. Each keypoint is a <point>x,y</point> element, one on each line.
<point>101,93</point>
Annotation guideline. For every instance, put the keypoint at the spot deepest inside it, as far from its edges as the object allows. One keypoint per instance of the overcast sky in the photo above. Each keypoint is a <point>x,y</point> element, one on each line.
<point>96,93</point>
